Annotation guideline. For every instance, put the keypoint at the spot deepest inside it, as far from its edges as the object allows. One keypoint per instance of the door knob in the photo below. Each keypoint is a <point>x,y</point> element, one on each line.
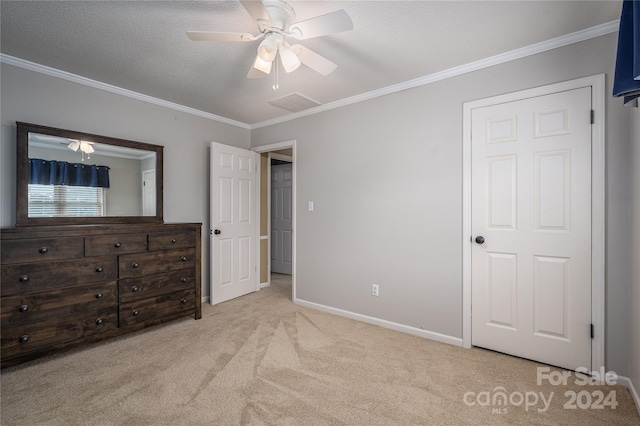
<point>480,239</point>
<point>217,232</point>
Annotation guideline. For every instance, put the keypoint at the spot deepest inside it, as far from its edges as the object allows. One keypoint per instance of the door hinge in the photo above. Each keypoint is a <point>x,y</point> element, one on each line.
<point>593,116</point>
<point>592,331</point>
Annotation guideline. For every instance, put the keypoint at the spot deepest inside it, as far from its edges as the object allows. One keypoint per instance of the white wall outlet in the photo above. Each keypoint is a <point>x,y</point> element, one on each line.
<point>310,206</point>
<point>375,290</point>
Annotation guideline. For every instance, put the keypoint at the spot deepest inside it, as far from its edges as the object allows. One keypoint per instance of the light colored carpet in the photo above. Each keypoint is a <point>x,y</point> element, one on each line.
<point>261,360</point>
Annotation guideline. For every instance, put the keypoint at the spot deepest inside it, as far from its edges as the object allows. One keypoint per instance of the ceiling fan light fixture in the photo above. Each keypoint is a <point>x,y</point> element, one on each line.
<point>86,147</point>
<point>290,61</point>
<point>268,48</point>
<point>73,146</point>
<point>261,65</point>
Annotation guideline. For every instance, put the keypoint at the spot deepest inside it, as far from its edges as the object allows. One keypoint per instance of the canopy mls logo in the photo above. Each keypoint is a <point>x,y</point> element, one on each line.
<point>499,399</point>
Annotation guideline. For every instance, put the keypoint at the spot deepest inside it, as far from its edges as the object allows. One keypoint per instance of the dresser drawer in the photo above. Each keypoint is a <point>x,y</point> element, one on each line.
<point>20,339</point>
<point>101,245</point>
<point>137,265</point>
<point>170,240</point>
<point>157,307</point>
<point>41,249</point>
<point>28,307</point>
<point>31,277</point>
<point>142,288</point>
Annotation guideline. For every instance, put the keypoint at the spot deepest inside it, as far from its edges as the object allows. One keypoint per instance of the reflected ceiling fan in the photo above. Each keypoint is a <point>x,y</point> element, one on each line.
<point>84,146</point>
<point>274,19</point>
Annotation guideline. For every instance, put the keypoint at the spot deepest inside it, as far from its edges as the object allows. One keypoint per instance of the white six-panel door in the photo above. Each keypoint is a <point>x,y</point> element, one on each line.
<point>531,202</point>
<point>281,219</point>
<point>233,222</point>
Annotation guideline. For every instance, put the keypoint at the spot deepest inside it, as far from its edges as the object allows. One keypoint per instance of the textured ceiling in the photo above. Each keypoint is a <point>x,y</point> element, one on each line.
<point>142,46</point>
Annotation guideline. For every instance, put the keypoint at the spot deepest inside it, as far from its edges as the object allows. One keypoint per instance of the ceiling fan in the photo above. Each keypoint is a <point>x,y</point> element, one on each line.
<point>274,19</point>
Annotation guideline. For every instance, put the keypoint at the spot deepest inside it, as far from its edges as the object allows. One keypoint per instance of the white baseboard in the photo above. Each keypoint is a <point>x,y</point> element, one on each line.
<point>627,383</point>
<point>205,299</point>
<point>383,323</point>
<point>264,284</point>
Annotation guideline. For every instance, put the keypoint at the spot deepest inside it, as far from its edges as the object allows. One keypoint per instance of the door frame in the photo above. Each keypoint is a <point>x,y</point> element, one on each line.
<point>269,148</point>
<point>597,85</point>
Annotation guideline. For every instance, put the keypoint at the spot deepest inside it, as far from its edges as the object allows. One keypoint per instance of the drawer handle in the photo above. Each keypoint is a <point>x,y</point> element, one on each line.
<point>183,279</point>
<point>98,295</point>
<point>23,308</point>
<point>135,265</point>
<point>43,250</point>
<point>99,321</point>
<point>184,300</point>
<point>24,338</point>
<point>183,258</point>
<point>173,241</point>
<point>134,288</point>
<point>117,245</point>
<point>23,278</point>
<point>135,312</point>
<point>99,269</point>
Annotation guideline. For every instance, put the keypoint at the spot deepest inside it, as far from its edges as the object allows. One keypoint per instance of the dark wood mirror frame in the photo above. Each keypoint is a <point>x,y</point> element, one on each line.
<point>22,178</point>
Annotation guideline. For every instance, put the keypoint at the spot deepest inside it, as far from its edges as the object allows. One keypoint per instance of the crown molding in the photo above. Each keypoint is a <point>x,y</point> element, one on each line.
<point>564,40</point>
<point>53,72</point>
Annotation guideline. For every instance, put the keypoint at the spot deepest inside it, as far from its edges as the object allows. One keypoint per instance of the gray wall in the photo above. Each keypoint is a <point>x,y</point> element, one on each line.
<point>36,98</point>
<point>634,354</point>
<point>386,179</point>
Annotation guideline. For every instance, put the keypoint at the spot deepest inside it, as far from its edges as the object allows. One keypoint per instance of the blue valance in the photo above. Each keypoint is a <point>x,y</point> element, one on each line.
<point>627,78</point>
<point>46,172</point>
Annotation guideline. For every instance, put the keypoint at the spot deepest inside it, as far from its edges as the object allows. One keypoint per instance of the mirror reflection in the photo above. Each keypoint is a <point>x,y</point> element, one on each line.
<point>84,178</point>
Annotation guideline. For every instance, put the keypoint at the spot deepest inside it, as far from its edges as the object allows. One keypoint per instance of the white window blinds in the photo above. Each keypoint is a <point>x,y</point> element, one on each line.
<point>58,200</point>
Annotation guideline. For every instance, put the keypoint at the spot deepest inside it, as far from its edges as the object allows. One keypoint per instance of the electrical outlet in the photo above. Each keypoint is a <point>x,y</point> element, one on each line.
<point>374,290</point>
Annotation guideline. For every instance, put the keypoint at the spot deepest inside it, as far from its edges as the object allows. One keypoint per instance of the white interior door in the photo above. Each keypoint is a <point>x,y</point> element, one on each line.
<point>531,203</point>
<point>281,223</point>
<point>234,236</point>
<point>149,192</point>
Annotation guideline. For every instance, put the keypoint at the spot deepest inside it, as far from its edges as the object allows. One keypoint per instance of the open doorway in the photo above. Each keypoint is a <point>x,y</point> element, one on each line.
<point>280,218</point>
<point>277,214</point>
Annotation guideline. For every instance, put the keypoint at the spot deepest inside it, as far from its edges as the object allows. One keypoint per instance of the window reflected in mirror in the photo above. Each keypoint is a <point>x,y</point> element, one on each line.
<point>77,178</point>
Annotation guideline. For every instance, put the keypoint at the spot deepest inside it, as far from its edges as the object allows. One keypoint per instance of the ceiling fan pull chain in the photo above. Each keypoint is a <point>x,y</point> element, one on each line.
<point>276,86</point>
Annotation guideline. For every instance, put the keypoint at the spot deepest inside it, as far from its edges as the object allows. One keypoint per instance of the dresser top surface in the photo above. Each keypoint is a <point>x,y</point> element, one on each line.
<point>86,230</point>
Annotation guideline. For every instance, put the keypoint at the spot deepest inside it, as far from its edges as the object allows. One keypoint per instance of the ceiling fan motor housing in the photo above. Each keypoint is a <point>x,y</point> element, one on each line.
<point>281,14</point>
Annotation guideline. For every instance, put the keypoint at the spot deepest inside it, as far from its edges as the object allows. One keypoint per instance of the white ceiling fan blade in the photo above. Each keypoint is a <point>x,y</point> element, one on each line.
<point>318,63</point>
<point>256,9</point>
<point>330,23</point>
<point>259,69</point>
<point>216,36</point>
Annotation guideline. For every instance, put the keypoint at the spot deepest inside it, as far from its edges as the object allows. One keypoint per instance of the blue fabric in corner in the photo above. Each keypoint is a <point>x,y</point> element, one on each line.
<point>627,78</point>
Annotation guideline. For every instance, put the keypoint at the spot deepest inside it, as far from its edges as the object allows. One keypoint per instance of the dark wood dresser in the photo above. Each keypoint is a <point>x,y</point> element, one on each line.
<point>63,286</point>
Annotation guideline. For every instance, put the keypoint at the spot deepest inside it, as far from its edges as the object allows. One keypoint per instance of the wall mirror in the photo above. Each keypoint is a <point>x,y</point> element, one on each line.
<point>66,177</point>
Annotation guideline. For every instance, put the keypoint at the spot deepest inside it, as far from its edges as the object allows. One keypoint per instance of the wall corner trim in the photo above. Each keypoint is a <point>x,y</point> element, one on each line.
<point>432,335</point>
<point>52,72</point>
<point>543,46</point>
